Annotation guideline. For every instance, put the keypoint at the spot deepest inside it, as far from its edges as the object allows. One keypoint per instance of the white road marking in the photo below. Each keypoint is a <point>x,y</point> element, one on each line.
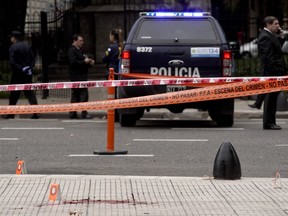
<point>210,129</point>
<point>30,128</point>
<point>260,119</point>
<point>255,122</point>
<point>149,119</point>
<point>120,155</point>
<point>8,139</point>
<point>282,145</point>
<point>84,121</point>
<point>30,120</point>
<point>171,140</point>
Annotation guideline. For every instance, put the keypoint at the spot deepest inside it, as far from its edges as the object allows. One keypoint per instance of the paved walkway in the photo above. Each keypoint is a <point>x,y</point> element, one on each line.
<point>135,195</point>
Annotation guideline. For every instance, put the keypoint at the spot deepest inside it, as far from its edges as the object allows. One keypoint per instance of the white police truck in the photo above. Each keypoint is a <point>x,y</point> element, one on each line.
<point>182,44</point>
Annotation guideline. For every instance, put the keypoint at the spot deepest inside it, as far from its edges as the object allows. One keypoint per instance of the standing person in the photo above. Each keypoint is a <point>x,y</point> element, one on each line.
<point>22,61</point>
<point>78,71</point>
<point>112,57</point>
<point>272,63</point>
<point>113,53</point>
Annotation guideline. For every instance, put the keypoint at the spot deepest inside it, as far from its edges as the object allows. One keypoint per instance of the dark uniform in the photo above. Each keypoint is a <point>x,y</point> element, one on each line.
<point>272,64</point>
<point>22,61</point>
<point>78,71</point>
<point>112,57</point>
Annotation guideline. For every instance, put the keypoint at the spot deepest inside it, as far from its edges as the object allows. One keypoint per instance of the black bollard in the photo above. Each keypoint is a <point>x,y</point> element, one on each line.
<point>226,163</point>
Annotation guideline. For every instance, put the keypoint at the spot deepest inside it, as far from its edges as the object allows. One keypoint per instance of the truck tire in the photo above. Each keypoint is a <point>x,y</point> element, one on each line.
<point>222,112</point>
<point>222,120</point>
<point>127,120</point>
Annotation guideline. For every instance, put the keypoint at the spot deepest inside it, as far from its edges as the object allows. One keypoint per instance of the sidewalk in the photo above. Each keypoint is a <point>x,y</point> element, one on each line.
<point>142,195</point>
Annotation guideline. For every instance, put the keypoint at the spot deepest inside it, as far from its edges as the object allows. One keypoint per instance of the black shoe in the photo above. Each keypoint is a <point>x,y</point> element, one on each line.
<point>254,106</point>
<point>272,127</point>
<point>9,116</point>
<point>35,116</point>
<point>87,116</point>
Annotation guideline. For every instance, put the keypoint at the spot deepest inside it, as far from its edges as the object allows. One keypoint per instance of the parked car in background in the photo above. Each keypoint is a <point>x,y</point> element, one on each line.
<point>250,49</point>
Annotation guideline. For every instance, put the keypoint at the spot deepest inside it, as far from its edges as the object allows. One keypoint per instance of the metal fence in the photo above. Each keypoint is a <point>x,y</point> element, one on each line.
<point>49,36</point>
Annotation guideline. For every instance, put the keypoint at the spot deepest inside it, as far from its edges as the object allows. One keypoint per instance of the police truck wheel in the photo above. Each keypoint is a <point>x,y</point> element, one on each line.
<point>225,121</point>
<point>116,119</point>
<point>222,112</point>
<point>127,120</point>
<point>222,120</point>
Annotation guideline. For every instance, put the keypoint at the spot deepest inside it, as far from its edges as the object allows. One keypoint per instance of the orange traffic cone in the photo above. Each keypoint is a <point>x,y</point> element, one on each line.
<point>21,168</point>
<point>55,192</point>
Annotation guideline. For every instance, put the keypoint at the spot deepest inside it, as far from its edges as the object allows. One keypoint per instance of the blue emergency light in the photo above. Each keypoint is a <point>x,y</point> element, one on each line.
<point>174,14</point>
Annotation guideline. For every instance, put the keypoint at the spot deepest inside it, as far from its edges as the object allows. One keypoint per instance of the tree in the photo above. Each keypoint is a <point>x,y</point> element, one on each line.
<point>257,10</point>
<point>277,8</point>
<point>232,4</point>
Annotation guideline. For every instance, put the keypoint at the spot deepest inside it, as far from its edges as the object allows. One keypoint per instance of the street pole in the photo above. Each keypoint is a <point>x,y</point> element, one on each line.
<point>125,20</point>
<point>44,48</point>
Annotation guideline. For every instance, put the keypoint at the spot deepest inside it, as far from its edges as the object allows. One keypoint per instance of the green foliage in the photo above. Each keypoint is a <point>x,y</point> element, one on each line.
<point>5,73</point>
<point>251,66</point>
<point>247,67</point>
<point>4,95</point>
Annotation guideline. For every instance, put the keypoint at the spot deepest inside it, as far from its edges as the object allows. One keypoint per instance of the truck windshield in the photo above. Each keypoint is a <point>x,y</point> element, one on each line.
<point>184,31</point>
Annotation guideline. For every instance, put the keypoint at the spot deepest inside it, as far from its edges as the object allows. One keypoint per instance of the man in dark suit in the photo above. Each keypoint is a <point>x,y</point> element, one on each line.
<point>78,70</point>
<point>22,61</point>
<point>272,63</point>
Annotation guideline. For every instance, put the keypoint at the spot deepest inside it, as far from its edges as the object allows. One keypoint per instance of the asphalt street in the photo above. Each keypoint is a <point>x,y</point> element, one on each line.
<point>161,144</point>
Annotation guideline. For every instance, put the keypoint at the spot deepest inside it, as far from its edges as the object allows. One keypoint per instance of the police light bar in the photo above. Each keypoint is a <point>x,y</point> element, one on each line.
<point>175,14</point>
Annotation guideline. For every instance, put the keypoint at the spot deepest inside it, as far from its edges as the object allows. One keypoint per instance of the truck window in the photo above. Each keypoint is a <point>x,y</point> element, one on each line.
<point>192,31</point>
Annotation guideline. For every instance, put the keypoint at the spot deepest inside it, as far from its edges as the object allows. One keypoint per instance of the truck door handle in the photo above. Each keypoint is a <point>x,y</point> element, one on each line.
<point>176,62</point>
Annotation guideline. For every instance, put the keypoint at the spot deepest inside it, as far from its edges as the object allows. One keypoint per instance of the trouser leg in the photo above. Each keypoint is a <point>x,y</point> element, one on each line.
<point>259,100</point>
<point>74,99</point>
<point>270,108</point>
<point>84,97</point>
<point>13,97</point>
<point>30,95</point>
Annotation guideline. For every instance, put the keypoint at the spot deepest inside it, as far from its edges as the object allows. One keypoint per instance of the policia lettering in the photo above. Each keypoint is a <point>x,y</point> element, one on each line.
<point>199,94</point>
<point>182,71</point>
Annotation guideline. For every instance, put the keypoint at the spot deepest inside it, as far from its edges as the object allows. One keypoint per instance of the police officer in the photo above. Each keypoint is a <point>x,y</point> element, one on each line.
<point>22,61</point>
<point>113,53</point>
<point>78,70</point>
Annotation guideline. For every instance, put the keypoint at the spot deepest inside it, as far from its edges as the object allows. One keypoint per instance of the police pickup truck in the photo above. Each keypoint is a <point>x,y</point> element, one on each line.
<point>181,44</point>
